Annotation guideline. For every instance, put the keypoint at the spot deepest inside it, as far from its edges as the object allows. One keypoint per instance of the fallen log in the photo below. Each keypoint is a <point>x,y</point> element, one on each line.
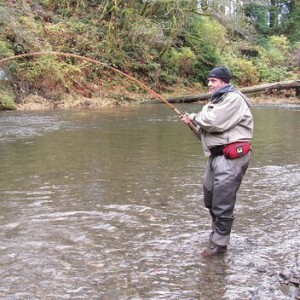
<point>291,84</point>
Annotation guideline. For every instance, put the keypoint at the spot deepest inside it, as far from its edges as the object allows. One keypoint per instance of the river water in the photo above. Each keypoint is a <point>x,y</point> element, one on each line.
<point>107,204</point>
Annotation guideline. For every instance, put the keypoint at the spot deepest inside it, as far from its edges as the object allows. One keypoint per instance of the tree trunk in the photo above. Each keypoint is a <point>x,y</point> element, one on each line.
<point>291,84</point>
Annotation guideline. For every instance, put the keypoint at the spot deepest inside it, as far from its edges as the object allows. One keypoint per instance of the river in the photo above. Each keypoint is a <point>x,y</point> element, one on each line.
<point>107,204</point>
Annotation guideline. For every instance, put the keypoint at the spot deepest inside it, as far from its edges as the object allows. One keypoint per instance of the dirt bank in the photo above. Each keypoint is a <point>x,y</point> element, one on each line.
<point>34,102</point>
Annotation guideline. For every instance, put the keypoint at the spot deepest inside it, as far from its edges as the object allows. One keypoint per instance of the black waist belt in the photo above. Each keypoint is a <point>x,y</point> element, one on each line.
<point>216,151</point>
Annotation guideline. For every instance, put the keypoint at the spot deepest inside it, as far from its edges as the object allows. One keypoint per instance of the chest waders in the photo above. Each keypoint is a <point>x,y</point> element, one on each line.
<point>223,178</point>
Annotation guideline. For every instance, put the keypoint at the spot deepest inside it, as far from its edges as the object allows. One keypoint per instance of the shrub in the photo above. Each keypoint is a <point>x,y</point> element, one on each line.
<point>272,73</point>
<point>7,97</point>
<point>49,76</point>
<point>5,49</point>
<point>244,72</point>
<point>7,102</point>
<point>185,59</point>
<point>274,59</point>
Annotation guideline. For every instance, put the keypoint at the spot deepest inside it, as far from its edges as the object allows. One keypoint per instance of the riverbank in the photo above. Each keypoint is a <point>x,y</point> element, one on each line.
<point>124,98</point>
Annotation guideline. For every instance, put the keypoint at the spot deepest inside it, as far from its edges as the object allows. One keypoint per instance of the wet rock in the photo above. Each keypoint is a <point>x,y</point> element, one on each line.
<point>254,295</point>
<point>261,270</point>
<point>290,280</point>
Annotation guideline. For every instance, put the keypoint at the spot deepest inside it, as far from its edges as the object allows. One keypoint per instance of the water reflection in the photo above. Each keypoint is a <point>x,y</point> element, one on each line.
<point>108,205</point>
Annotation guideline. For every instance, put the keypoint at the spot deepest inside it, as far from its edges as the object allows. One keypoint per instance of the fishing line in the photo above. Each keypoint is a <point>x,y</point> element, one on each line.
<point>147,88</point>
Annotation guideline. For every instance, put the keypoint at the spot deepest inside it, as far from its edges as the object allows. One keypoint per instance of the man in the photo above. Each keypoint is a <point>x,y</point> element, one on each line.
<point>226,126</point>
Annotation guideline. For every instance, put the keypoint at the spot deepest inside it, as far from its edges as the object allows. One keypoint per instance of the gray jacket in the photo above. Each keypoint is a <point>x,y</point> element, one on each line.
<point>224,120</point>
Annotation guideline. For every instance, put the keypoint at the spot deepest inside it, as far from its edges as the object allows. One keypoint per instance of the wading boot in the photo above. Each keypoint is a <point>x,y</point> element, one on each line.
<point>214,250</point>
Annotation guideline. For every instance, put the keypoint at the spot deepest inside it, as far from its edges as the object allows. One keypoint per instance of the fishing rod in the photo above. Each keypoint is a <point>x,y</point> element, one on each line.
<point>178,112</point>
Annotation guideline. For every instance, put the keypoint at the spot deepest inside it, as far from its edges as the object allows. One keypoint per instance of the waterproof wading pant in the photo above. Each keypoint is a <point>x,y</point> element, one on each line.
<point>223,178</point>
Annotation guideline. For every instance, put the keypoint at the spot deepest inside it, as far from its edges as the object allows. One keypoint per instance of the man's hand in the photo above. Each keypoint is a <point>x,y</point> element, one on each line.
<point>188,118</point>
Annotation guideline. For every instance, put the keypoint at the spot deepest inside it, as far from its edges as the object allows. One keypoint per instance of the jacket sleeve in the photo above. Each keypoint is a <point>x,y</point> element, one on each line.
<point>223,115</point>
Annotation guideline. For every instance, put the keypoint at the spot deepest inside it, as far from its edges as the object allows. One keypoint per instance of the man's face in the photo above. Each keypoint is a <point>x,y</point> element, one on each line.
<point>214,84</point>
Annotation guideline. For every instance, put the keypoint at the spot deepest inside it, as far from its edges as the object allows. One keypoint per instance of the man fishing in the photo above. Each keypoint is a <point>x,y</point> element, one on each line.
<point>226,130</point>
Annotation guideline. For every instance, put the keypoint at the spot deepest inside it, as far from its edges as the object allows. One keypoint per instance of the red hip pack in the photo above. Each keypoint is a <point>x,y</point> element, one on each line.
<point>236,150</point>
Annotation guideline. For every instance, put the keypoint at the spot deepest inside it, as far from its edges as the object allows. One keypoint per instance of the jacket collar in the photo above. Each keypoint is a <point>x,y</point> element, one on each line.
<point>215,97</point>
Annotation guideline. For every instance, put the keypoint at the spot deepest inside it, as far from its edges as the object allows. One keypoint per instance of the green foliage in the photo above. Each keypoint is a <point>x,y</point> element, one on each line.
<point>207,38</point>
<point>161,42</point>
<point>291,22</point>
<point>168,78</point>
<point>144,35</point>
<point>5,49</point>
<point>272,74</point>
<point>273,61</point>
<point>70,36</point>
<point>7,102</point>
<point>275,17</point>
<point>205,62</point>
<point>244,71</point>
<point>48,66</point>
<point>22,32</point>
<point>202,31</point>
<point>184,60</point>
<point>48,76</point>
<point>268,63</point>
<point>67,8</point>
<point>281,43</point>
<point>7,97</point>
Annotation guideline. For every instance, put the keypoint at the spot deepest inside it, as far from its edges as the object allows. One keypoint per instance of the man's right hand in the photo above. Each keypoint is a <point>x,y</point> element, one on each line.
<point>188,118</point>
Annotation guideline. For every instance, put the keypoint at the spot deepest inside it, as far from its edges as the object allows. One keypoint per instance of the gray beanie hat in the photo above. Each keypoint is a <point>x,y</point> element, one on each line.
<point>221,73</point>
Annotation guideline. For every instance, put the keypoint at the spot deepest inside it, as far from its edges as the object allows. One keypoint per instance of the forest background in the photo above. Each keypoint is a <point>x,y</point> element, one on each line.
<point>170,45</point>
